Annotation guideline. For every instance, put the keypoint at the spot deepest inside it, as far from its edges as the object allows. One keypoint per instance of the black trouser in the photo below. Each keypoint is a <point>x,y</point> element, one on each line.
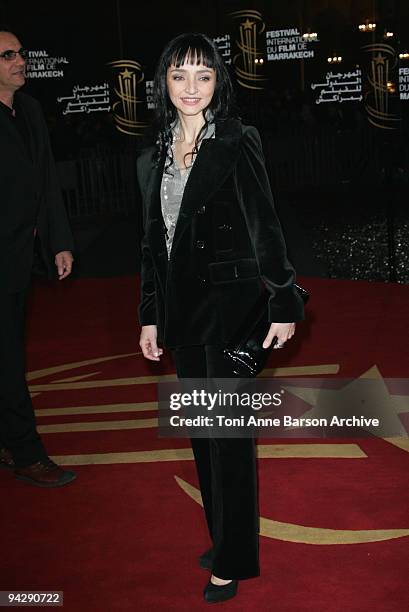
<point>17,422</point>
<point>227,475</point>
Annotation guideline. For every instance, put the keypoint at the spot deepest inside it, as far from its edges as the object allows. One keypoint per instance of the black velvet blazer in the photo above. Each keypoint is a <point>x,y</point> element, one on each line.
<point>30,198</point>
<point>227,246</point>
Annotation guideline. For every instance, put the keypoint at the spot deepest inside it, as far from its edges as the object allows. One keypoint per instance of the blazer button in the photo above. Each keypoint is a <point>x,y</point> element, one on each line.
<point>202,279</point>
<point>200,244</point>
<point>201,210</point>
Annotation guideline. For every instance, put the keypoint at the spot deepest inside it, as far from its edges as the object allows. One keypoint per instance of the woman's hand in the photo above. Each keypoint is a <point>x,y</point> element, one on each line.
<point>283,331</point>
<point>147,342</point>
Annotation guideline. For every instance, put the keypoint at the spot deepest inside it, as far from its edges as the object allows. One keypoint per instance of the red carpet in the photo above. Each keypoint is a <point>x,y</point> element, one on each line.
<point>126,536</point>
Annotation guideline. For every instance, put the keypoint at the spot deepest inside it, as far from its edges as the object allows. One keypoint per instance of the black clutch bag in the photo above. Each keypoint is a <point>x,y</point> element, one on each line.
<point>246,354</point>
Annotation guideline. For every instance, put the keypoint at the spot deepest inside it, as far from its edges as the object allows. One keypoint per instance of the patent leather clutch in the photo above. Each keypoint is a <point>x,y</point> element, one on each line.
<point>246,354</point>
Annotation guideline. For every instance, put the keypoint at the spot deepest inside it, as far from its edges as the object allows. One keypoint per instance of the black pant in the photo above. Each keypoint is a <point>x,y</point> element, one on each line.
<point>227,475</point>
<point>17,422</point>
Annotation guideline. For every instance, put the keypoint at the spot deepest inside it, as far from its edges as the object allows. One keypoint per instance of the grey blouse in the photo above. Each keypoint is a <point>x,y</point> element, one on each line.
<point>172,188</point>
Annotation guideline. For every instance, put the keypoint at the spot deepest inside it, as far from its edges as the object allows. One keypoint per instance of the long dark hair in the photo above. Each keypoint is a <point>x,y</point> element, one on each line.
<point>198,48</point>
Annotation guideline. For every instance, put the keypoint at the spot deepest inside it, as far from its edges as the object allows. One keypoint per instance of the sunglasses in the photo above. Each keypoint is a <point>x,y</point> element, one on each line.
<point>11,55</point>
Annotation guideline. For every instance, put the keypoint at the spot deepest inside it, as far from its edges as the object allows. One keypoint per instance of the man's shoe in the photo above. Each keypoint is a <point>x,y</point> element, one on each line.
<point>206,559</point>
<point>6,460</point>
<point>214,593</point>
<point>45,473</point>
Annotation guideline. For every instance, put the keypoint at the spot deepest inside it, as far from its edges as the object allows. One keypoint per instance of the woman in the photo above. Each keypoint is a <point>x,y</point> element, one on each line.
<point>212,243</point>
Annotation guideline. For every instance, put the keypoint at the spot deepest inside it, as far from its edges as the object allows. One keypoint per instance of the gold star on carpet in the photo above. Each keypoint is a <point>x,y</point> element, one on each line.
<point>367,395</point>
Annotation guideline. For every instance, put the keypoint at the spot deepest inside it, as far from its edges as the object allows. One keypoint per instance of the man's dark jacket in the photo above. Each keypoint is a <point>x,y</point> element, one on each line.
<point>227,247</point>
<point>30,198</point>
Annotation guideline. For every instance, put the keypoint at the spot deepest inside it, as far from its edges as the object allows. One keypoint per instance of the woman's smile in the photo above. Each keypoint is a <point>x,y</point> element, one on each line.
<point>190,101</point>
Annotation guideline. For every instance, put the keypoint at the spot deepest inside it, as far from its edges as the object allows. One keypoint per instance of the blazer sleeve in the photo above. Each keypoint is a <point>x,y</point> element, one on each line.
<point>257,205</point>
<point>147,305</point>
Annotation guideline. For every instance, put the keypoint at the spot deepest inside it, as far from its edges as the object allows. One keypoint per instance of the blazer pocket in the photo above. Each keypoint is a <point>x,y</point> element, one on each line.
<point>233,271</point>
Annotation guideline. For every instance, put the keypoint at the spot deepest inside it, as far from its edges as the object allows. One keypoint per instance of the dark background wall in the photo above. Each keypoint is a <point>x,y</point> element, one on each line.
<point>341,186</point>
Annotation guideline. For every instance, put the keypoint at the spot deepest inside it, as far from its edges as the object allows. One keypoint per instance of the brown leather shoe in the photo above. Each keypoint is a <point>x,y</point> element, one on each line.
<point>6,460</point>
<point>45,473</point>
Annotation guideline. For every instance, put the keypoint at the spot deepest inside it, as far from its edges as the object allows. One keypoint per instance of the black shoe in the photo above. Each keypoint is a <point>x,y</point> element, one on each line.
<point>214,593</point>
<point>206,559</point>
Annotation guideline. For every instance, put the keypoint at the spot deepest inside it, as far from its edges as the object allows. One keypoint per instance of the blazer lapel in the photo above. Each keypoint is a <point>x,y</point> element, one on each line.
<point>154,208</point>
<point>154,218</point>
<point>215,160</point>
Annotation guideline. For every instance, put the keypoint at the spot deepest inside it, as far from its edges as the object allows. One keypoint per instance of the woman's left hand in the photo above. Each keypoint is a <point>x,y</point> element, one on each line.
<point>283,332</point>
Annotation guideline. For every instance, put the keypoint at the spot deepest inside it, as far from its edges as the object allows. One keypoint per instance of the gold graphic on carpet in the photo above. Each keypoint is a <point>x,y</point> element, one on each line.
<point>302,534</point>
<point>268,527</point>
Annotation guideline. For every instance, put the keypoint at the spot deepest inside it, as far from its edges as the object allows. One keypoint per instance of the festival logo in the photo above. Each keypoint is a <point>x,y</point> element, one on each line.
<point>381,98</point>
<point>249,61</point>
<point>125,109</point>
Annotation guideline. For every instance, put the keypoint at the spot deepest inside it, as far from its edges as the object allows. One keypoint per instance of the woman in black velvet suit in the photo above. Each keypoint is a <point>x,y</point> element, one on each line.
<point>204,267</point>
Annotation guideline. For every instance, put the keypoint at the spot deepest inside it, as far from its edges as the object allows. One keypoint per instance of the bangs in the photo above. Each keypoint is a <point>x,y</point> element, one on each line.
<point>192,54</point>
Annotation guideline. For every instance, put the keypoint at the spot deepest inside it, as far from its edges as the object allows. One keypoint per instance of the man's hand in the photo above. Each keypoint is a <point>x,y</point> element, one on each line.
<point>148,343</point>
<point>63,261</point>
<point>281,331</point>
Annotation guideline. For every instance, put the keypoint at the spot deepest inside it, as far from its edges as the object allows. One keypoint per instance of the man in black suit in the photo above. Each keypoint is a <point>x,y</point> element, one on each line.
<point>30,204</point>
